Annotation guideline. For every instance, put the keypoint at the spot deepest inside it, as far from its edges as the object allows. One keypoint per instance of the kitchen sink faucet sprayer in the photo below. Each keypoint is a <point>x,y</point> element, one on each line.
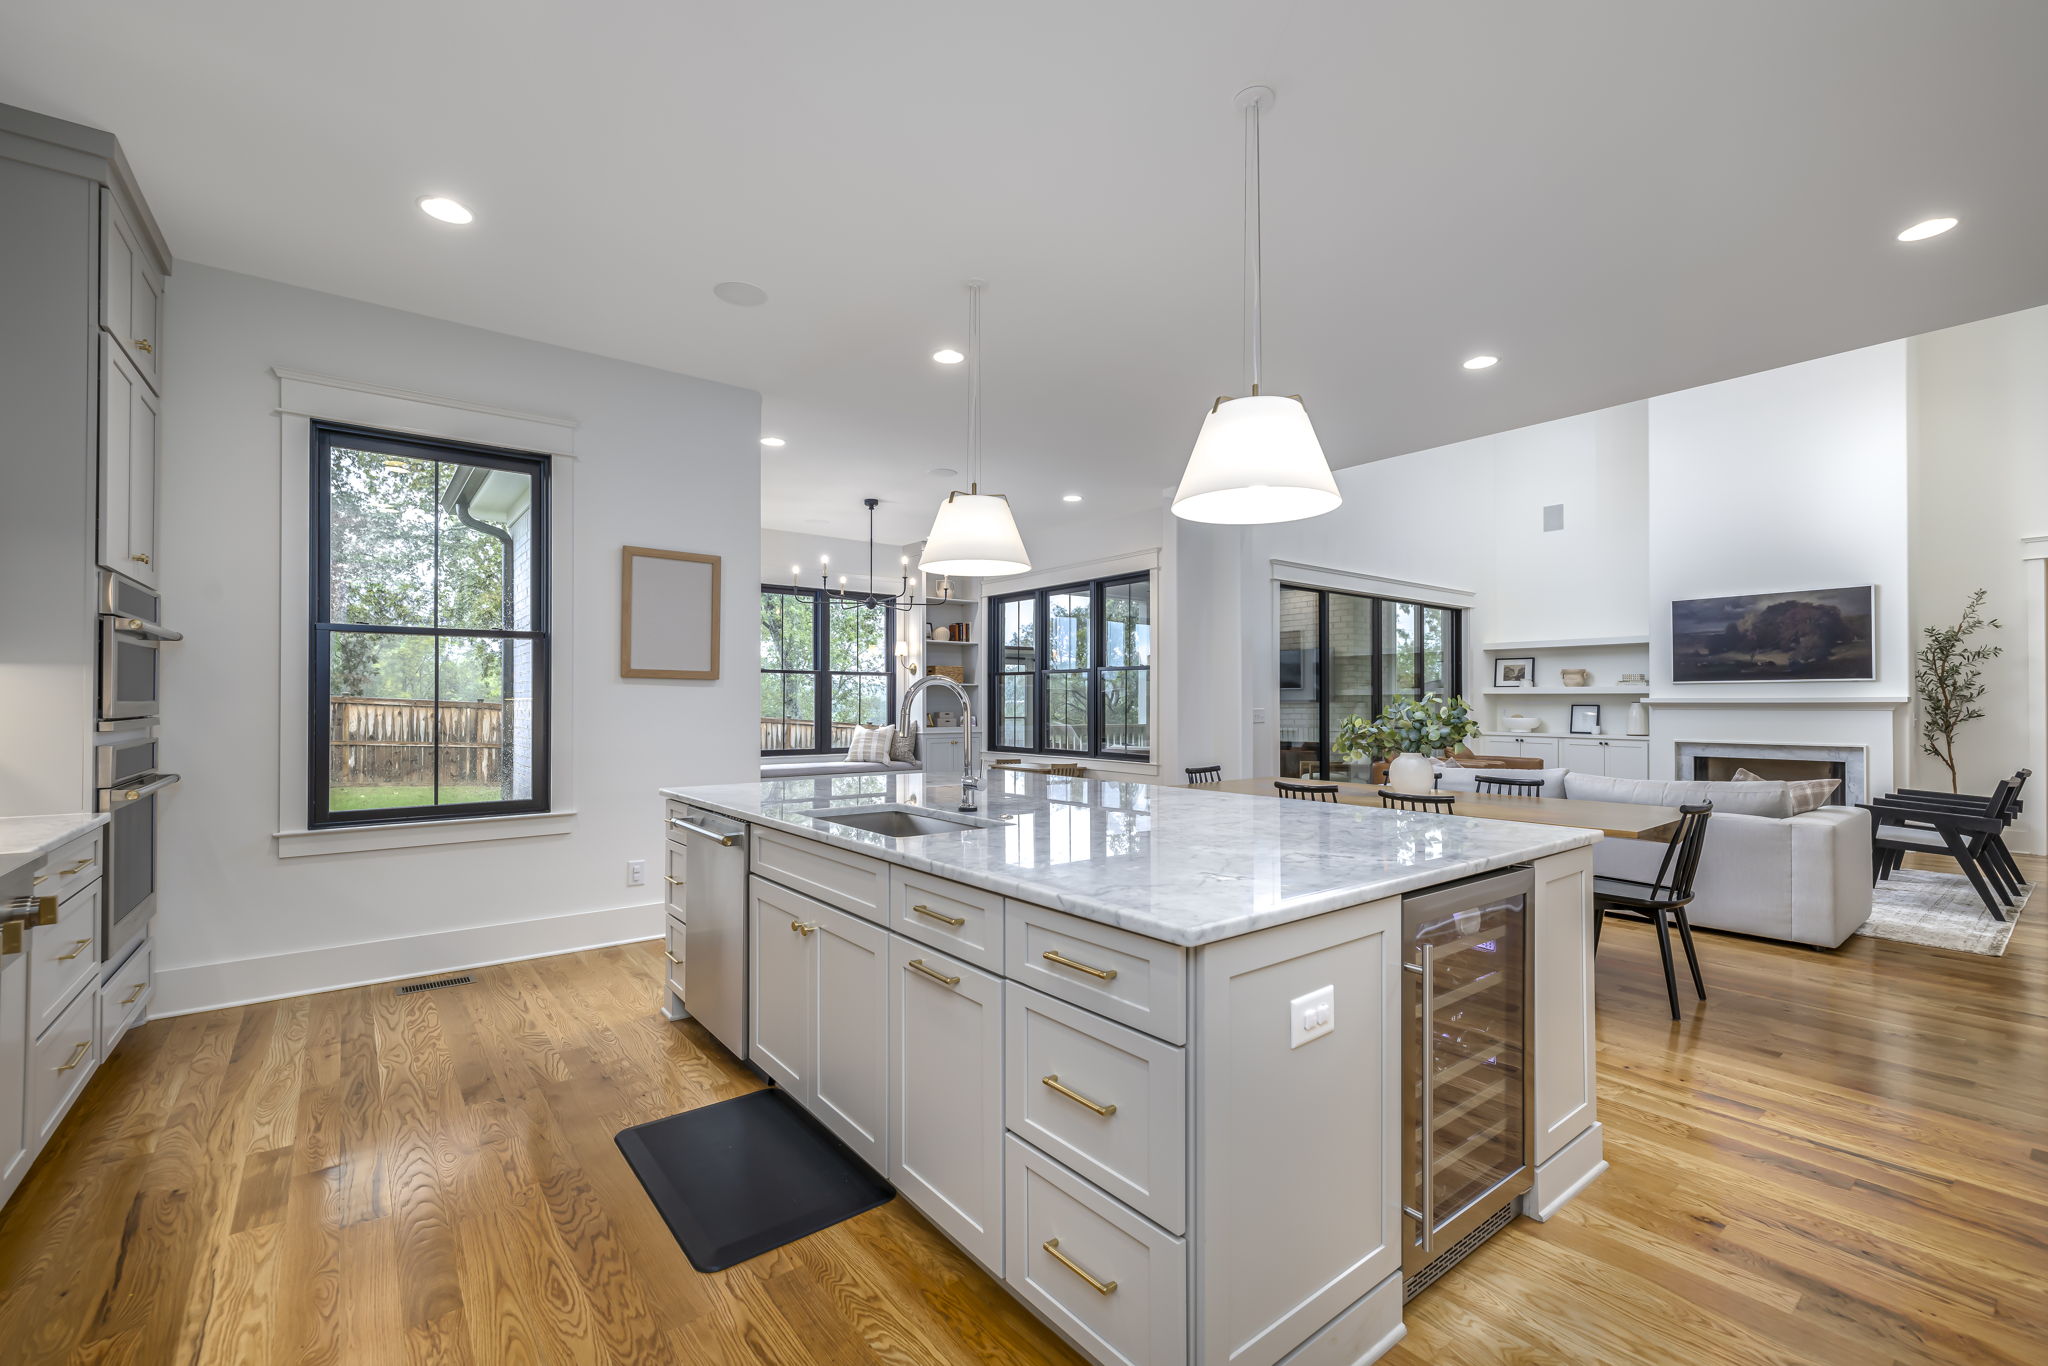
<point>970,775</point>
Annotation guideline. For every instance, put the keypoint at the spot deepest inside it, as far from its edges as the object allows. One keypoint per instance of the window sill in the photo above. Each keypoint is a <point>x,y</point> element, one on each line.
<point>355,839</point>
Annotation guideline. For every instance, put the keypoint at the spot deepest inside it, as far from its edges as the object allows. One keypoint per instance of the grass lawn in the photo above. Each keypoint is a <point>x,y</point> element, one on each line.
<point>373,798</point>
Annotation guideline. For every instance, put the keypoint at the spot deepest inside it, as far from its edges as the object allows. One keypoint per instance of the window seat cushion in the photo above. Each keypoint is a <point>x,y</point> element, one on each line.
<point>826,768</point>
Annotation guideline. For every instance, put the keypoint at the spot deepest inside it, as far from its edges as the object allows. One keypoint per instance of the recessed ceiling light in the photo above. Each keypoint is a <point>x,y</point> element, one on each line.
<point>773,441</point>
<point>1482,362</point>
<point>447,210</point>
<point>1932,227</point>
<point>948,356</point>
<point>942,471</point>
<point>740,293</point>
<point>1070,498</point>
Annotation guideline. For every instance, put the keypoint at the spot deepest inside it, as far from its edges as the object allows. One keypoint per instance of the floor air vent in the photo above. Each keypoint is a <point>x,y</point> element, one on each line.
<point>435,984</point>
<point>1458,1252</point>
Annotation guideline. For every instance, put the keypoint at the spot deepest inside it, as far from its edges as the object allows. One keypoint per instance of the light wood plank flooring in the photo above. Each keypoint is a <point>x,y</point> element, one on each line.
<point>1841,1158</point>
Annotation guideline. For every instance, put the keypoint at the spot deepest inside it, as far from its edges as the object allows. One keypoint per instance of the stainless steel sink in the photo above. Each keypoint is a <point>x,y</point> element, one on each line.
<point>903,822</point>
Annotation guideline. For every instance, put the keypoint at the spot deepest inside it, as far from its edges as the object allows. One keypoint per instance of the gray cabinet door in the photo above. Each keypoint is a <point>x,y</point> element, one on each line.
<point>946,1095</point>
<point>128,454</point>
<point>850,1078</point>
<point>14,1135</point>
<point>781,991</point>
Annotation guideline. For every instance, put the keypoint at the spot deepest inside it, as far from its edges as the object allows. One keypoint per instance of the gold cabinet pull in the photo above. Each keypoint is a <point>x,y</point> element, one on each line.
<point>1052,1245</point>
<point>139,558</point>
<point>671,881</point>
<point>46,910</point>
<point>77,1056</point>
<point>10,938</point>
<point>76,949</point>
<point>132,997</point>
<point>671,958</point>
<point>67,872</point>
<point>933,973</point>
<point>142,344</point>
<point>803,927</point>
<point>940,915</point>
<point>1106,974</point>
<point>1098,1107</point>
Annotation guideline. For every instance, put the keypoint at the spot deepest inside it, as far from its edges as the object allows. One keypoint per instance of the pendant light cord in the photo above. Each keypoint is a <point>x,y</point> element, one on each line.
<point>974,386</point>
<point>1253,263</point>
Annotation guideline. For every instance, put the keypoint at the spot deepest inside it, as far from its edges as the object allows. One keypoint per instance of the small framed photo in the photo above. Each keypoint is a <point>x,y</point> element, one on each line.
<point>1516,672</point>
<point>1585,718</point>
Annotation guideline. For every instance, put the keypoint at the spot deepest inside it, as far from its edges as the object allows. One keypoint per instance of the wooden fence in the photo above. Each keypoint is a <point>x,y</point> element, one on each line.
<point>782,732</point>
<point>389,741</point>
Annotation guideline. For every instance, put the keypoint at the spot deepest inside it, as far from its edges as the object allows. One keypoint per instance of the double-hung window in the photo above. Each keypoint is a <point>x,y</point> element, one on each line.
<point>1072,669</point>
<point>824,669</point>
<point>429,636</point>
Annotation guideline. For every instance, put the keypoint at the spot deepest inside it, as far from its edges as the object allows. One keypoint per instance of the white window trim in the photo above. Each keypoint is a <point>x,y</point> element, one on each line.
<point>304,399</point>
<point>1114,566</point>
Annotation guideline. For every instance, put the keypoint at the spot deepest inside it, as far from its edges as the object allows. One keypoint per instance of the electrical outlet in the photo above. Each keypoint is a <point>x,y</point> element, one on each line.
<point>1258,716</point>
<point>636,872</point>
<point>1312,1016</point>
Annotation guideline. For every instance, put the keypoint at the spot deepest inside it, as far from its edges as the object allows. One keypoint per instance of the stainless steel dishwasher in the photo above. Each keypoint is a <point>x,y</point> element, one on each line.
<point>715,925</point>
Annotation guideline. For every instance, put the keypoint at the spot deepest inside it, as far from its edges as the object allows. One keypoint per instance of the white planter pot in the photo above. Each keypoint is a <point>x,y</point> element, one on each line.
<point>1411,773</point>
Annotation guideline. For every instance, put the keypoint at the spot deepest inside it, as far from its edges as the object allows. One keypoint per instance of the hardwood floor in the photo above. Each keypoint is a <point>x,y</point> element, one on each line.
<point>1840,1158</point>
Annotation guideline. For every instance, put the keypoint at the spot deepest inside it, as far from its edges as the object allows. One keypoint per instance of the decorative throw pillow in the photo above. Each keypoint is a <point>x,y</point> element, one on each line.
<point>870,745</point>
<point>903,748</point>
<point>1807,794</point>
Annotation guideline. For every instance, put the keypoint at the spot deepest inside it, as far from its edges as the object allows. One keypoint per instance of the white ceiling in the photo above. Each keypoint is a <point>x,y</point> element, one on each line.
<point>1618,198</point>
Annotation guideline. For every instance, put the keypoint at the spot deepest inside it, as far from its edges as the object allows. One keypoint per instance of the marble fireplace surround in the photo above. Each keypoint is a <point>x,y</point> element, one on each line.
<point>1854,759</point>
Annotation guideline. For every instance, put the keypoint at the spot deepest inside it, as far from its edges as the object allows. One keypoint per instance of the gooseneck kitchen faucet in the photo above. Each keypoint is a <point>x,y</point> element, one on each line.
<point>970,776</point>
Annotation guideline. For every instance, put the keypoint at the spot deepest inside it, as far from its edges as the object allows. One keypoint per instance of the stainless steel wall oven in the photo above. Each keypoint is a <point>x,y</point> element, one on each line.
<point>129,784</point>
<point>130,636</point>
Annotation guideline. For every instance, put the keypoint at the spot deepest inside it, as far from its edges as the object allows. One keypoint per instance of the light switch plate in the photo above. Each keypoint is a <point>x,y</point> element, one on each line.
<point>636,872</point>
<point>1258,716</point>
<point>1312,1016</point>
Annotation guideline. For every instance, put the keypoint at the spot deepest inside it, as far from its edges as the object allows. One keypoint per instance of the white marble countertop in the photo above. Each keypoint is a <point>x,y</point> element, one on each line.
<point>1179,864</point>
<point>24,839</point>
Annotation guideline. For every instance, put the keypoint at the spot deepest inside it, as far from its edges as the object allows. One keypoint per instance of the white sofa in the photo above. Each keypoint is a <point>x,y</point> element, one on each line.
<point>1764,871</point>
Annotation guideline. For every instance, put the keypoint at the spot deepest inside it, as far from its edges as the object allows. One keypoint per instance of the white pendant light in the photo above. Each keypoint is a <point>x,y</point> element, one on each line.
<point>974,534</point>
<point>1257,458</point>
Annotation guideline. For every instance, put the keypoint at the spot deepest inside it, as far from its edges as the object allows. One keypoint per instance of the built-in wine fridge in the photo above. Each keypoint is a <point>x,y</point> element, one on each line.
<point>1466,1082</point>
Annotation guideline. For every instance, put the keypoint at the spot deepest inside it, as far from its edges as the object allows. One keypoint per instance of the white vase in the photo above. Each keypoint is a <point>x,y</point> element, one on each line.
<point>1638,719</point>
<point>1411,773</point>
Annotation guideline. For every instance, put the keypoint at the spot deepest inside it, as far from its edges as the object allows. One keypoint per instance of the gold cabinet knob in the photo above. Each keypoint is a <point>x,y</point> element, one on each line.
<point>802,927</point>
<point>142,344</point>
<point>140,559</point>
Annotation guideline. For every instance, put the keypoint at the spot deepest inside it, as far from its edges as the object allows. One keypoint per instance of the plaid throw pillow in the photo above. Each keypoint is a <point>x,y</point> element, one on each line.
<point>870,745</point>
<point>1808,794</point>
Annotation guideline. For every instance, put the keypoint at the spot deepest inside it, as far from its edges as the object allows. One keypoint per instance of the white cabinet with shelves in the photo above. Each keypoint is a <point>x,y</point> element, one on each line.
<point>1518,747</point>
<point>1609,758</point>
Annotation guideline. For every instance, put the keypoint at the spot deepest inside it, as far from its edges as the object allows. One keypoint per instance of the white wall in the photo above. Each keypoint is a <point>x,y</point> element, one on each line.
<point>662,460</point>
<point>1979,485</point>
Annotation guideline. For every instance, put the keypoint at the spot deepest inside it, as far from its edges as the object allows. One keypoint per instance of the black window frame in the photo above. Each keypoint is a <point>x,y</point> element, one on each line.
<point>1454,655</point>
<point>326,435</point>
<point>1039,673</point>
<point>822,672</point>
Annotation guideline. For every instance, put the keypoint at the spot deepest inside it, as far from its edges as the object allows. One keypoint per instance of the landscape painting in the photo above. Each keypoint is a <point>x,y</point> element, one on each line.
<point>1820,635</point>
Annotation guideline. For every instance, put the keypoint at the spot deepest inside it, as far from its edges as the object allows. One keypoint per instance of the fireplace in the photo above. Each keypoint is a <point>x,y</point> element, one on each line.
<point>1717,762</point>
<point>1721,769</point>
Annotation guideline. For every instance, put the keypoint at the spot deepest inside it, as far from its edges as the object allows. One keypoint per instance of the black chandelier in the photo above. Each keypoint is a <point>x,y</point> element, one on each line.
<point>902,600</point>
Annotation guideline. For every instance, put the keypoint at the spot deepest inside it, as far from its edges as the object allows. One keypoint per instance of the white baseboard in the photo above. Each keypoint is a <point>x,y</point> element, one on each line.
<point>245,981</point>
<point>1570,1170</point>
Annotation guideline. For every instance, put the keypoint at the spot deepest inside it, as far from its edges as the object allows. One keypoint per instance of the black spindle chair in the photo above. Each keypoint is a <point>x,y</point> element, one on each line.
<point>1510,787</point>
<point>1207,773</point>
<point>1416,801</point>
<point>1663,901</point>
<point>1306,792</point>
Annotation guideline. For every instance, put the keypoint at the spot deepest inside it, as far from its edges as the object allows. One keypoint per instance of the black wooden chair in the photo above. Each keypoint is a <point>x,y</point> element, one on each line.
<point>1662,902</point>
<point>1982,805</point>
<point>1417,801</point>
<point>1207,773</point>
<point>1902,825</point>
<point>1306,792</point>
<point>1511,787</point>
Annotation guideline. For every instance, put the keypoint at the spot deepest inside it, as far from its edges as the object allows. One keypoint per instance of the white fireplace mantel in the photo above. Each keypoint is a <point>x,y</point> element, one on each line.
<point>1783,700</point>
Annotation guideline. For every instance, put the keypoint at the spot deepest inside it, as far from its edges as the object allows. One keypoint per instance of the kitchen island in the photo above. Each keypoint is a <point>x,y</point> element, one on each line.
<point>1143,1052</point>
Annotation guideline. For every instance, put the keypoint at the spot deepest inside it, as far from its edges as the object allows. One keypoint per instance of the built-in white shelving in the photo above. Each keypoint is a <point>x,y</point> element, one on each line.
<point>1585,643</point>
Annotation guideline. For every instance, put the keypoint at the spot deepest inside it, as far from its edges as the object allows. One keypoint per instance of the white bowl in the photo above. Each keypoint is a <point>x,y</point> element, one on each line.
<point>1520,725</point>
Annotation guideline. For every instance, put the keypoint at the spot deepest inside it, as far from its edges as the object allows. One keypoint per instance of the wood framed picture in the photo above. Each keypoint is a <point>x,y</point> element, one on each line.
<point>668,614</point>
<point>1585,718</point>
<point>1514,671</point>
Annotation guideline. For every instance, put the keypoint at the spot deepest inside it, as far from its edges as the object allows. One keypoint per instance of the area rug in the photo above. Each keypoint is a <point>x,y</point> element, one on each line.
<point>1940,911</point>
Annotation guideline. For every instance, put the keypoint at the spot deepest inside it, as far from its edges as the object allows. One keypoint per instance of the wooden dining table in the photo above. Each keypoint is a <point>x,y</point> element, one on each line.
<point>1621,820</point>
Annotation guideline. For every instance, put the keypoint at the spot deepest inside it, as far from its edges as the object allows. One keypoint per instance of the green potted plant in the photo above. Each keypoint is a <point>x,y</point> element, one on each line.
<point>1355,745</point>
<point>1414,730</point>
